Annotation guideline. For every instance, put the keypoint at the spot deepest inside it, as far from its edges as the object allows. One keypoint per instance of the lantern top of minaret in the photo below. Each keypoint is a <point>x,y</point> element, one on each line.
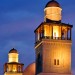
<point>13,51</point>
<point>52,3</point>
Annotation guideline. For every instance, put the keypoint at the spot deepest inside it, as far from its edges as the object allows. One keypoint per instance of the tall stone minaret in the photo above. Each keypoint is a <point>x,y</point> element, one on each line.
<point>13,67</point>
<point>53,43</point>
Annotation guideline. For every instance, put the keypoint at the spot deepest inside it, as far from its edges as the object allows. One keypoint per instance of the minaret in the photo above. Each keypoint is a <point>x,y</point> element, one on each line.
<point>53,43</point>
<point>13,67</point>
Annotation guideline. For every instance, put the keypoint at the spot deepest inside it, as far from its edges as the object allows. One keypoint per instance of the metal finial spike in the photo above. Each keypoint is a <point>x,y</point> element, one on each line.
<point>13,48</point>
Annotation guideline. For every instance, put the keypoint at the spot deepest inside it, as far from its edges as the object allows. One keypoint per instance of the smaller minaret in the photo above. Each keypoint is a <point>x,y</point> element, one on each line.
<point>13,67</point>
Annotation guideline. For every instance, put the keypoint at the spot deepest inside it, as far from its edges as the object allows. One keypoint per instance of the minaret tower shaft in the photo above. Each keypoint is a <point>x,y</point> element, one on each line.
<point>13,67</point>
<point>53,43</point>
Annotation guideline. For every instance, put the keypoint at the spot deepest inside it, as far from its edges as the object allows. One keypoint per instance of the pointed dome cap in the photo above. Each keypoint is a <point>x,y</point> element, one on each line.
<point>52,3</point>
<point>13,51</point>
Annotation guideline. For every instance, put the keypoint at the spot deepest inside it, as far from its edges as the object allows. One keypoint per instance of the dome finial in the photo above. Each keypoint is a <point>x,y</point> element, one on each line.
<point>13,51</point>
<point>52,3</point>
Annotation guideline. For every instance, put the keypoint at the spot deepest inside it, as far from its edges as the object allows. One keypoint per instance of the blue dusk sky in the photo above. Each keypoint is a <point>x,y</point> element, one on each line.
<point>18,20</point>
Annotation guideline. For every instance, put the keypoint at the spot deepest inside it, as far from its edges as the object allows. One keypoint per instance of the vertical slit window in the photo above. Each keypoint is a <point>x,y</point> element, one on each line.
<point>54,61</point>
<point>57,62</point>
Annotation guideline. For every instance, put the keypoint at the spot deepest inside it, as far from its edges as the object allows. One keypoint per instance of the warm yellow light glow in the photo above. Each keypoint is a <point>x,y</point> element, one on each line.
<point>13,57</point>
<point>46,30</point>
<point>53,13</point>
<point>14,68</point>
<point>9,68</point>
<point>62,56</point>
<point>8,73</point>
<point>55,31</point>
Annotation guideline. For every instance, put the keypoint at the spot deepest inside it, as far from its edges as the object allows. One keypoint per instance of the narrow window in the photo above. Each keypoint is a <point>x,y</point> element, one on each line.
<point>58,62</point>
<point>54,35</point>
<point>54,61</point>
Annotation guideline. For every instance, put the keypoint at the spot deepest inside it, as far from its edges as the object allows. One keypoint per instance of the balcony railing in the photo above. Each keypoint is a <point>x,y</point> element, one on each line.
<point>53,38</point>
<point>56,38</point>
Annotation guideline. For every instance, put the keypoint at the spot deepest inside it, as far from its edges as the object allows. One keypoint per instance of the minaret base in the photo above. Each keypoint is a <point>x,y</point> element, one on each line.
<point>53,74</point>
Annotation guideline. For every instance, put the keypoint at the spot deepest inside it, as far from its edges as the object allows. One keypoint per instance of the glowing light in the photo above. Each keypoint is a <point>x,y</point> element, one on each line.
<point>14,68</point>
<point>53,13</point>
<point>55,31</point>
<point>13,57</point>
<point>47,30</point>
